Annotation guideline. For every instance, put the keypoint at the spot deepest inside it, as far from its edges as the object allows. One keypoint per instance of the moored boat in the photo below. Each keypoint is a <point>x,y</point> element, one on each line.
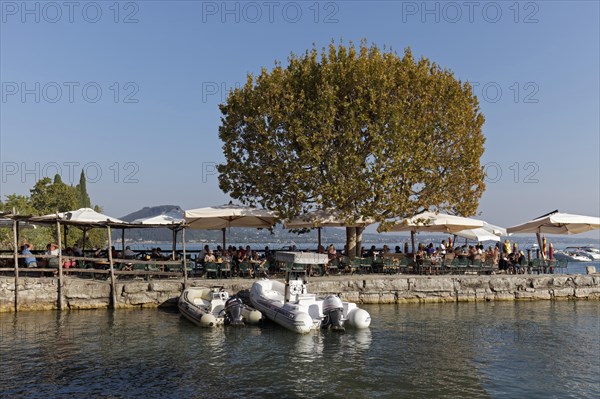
<point>211,307</point>
<point>571,255</point>
<point>590,252</point>
<point>291,306</point>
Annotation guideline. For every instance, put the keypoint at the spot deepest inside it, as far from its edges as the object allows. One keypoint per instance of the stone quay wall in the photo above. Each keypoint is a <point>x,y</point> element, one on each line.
<point>42,293</point>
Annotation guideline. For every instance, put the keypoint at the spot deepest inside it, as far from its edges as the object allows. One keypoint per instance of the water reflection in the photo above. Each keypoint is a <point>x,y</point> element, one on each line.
<point>497,349</point>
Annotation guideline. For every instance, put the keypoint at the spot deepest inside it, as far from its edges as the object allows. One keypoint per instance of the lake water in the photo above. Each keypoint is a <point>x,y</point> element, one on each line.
<point>478,350</point>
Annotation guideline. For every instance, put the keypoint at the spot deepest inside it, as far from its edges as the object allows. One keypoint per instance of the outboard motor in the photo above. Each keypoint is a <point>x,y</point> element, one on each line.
<point>333,309</point>
<point>233,311</point>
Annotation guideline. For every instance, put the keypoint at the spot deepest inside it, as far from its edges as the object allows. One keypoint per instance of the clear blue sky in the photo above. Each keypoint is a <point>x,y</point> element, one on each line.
<point>150,137</point>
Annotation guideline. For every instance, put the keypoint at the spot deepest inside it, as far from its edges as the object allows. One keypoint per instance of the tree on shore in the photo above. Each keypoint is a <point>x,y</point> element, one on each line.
<point>356,129</point>
<point>83,196</point>
<point>46,197</point>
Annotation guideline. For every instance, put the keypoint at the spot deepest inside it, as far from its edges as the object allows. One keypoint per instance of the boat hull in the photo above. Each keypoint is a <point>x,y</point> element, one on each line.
<point>205,307</point>
<point>305,313</point>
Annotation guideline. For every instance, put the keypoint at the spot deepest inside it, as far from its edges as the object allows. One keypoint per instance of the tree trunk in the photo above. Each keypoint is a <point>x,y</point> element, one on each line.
<point>351,242</point>
<point>359,238</point>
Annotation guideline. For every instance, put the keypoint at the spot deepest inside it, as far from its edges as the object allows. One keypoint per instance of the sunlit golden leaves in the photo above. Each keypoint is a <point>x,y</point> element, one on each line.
<point>357,129</point>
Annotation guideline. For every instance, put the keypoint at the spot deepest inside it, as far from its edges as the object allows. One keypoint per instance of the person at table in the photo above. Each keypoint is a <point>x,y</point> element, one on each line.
<point>209,257</point>
<point>129,254</point>
<point>397,250</point>
<point>268,252</point>
<point>430,250</point>
<point>67,261</point>
<point>443,248</point>
<point>506,249</point>
<point>371,252</point>
<point>77,251</point>
<point>30,261</point>
<point>156,253</point>
<point>331,252</point>
<point>241,253</point>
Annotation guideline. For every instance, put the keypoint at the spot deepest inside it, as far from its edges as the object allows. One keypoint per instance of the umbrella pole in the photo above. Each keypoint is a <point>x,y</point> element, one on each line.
<point>224,240</point>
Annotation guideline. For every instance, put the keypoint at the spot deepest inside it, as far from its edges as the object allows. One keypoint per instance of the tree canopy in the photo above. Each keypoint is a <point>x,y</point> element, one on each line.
<point>357,129</point>
<point>47,197</point>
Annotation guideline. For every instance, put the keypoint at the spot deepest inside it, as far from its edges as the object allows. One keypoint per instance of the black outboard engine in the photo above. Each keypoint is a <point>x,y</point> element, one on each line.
<point>233,311</point>
<point>333,309</point>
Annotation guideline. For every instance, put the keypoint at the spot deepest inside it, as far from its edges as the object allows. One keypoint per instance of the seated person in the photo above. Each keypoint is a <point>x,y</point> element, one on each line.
<point>52,249</point>
<point>372,252</point>
<point>129,254</point>
<point>30,261</point>
<point>68,262</point>
<point>210,257</point>
<point>331,252</point>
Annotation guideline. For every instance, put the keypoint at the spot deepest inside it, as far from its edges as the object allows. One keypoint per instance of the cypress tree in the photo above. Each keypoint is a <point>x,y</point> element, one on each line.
<point>84,198</point>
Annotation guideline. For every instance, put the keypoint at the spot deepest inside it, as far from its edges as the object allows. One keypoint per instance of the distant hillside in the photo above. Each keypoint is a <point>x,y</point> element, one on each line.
<point>150,211</point>
<point>238,235</point>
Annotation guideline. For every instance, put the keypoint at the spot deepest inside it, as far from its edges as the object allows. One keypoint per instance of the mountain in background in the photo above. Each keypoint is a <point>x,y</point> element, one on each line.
<point>151,211</point>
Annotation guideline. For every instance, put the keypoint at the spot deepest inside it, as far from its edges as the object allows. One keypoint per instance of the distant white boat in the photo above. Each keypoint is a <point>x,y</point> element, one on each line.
<point>590,252</point>
<point>571,255</point>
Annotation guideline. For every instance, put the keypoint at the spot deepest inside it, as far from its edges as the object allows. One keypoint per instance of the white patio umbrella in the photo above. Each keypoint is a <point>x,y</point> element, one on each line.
<point>228,215</point>
<point>488,232</point>
<point>166,219</point>
<point>84,218</point>
<point>171,220</point>
<point>79,216</point>
<point>435,223</point>
<point>556,223</point>
<point>324,218</point>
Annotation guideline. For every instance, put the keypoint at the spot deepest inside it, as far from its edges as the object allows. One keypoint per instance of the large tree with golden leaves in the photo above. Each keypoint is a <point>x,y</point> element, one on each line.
<point>360,130</point>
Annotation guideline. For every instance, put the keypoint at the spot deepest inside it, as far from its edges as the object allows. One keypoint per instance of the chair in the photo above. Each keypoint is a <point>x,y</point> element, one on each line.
<point>459,265</point>
<point>447,263</point>
<point>245,269</point>
<point>354,265</point>
<point>211,269</point>
<point>334,266</point>
<point>537,266</point>
<point>261,269</point>
<point>226,269</point>
<point>366,264</point>
<point>390,266</point>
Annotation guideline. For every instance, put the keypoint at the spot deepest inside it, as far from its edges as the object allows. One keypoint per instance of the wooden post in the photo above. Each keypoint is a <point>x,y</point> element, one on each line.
<point>174,245</point>
<point>83,241</point>
<point>123,243</point>
<point>185,282</point>
<point>60,271</point>
<point>16,255</point>
<point>319,238</point>
<point>113,287</point>
<point>412,239</point>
